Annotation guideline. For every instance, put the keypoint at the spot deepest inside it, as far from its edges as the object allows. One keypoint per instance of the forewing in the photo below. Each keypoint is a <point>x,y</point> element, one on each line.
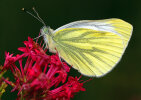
<point>91,52</point>
<point>114,25</point>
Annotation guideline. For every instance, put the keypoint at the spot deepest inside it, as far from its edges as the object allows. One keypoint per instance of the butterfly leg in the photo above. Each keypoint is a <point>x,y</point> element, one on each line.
<point>60,59</point>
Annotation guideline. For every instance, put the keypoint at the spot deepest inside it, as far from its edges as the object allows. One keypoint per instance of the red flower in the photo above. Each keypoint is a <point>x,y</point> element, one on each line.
<point>39,76</point>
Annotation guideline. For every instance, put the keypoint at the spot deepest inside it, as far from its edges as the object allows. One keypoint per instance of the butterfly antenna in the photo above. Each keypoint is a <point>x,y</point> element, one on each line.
<point>39,16</point>
<point>23,9</point>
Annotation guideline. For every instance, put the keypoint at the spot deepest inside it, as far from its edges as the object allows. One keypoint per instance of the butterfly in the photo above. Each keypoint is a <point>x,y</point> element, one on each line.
<point>93,47</point>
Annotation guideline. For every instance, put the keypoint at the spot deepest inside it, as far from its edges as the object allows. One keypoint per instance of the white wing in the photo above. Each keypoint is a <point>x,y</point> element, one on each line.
<point>114,25</point>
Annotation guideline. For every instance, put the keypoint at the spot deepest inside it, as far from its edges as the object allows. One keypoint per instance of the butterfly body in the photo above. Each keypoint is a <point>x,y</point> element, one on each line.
<point>47,33</point>
<point>93,47</point>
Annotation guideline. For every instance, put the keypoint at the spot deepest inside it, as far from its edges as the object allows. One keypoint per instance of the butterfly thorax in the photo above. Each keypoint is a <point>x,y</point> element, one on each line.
<point>47,33</point>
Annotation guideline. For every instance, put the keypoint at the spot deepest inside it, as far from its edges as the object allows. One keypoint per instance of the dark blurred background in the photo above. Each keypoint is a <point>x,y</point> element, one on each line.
<point>122,83</point>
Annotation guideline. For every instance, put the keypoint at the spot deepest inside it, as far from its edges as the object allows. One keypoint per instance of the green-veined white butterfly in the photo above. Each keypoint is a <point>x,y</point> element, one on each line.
<point>93,47</point>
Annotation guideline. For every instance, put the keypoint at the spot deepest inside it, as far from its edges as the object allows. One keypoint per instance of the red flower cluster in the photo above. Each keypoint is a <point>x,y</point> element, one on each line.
<point>39,76</point>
